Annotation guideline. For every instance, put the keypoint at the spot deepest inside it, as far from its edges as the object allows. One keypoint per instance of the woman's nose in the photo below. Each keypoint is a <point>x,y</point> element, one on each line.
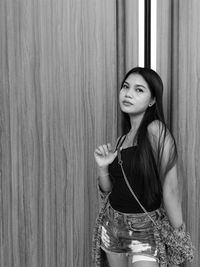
<point>129,94</point>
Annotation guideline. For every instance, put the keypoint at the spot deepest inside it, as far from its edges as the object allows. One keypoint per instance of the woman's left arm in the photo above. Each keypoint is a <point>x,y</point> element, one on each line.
<point>171,198</point>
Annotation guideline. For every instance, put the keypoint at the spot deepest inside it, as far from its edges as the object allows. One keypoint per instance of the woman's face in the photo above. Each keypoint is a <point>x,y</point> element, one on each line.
<point>135,95</point>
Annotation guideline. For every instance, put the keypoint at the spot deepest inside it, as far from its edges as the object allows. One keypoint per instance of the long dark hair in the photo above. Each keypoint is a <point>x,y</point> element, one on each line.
<point>145,163</point>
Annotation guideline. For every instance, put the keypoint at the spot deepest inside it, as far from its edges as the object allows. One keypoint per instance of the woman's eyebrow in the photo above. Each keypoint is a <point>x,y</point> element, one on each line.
<point>125,82</point>
<point>137,85</point>
<point>140,85</point>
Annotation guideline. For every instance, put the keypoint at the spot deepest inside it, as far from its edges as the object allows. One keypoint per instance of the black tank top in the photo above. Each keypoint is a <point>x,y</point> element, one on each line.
<point>121,198</point>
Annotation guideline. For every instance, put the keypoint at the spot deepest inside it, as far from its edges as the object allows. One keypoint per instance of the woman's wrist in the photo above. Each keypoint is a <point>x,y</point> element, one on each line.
<point>104,179</point>
<point>104,175</point>
<point>103,171</point>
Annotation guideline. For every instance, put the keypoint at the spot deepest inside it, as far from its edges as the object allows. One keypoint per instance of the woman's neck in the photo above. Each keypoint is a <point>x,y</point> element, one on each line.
<point>130,138</point>
<point>135,121</point>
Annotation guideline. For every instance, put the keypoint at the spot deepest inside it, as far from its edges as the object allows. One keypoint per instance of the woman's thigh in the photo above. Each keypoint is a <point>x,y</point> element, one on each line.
<point>117,259</point>
<point>144,264</point>
<point>140,262</point>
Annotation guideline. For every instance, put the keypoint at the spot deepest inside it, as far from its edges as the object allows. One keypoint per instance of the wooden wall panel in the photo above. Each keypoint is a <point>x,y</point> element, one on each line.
<point>58,102</point>
<point>127,42</point>
<point>186,111</point>
<point>164,52</point>
<point>61,66</point>
<point>178,64</point>
<point>131,29</point>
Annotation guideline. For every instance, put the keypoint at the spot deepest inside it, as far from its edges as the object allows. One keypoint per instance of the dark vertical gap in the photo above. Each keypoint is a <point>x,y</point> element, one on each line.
<point>147,33</point>
<point>174,58</point>
<point>121,58</point>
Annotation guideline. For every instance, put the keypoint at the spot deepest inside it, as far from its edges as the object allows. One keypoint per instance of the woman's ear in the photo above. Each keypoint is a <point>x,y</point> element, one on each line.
<point>153,101</point>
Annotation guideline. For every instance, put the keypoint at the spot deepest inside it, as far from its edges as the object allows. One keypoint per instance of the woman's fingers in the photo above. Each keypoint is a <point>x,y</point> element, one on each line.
<point>98,151</point>
<point>104,149</point>
<point>109,147</point>
<point>104,155</point>
<point>115,153</point>
<point>101,150</point>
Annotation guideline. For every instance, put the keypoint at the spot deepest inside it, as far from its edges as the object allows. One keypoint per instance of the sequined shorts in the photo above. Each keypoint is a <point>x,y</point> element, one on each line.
<point>130,234</point>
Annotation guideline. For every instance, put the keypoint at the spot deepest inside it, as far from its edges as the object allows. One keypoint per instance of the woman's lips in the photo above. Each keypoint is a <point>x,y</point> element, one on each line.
<point>127,103</point>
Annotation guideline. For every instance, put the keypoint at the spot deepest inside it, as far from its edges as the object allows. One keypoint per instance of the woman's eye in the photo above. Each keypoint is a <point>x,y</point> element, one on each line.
<point>139,90</point>
<point>125,86</point>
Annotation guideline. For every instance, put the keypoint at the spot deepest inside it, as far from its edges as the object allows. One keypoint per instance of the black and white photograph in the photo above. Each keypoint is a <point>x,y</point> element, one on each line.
<point>99,133</point>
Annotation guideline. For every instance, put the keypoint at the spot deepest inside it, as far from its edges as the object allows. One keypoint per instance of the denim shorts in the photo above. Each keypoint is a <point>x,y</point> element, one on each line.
<point>128,233</point>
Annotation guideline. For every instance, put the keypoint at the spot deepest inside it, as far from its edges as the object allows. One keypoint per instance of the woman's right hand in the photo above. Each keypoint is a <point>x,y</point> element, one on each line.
<point>104,155</point>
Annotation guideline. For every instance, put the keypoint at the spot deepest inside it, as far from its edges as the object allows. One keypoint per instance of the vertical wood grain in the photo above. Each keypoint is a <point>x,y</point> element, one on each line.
<point>127,43</point>
<point>164,52</point>
<point>132,28</point>
<point>58,102</point>
<point>121,52</point>
<point>178,65</point>
<point>186,111</point>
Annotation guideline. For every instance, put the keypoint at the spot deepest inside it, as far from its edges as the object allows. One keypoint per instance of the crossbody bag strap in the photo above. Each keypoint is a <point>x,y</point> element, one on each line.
<point>129,187</point>
<point>120,141</point>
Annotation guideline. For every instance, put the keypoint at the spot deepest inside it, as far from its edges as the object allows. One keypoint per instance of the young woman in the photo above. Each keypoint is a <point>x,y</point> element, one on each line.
<point>149,156</point>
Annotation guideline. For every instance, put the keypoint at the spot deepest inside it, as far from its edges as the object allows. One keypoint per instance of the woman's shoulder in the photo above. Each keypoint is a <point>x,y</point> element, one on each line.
<point>156,127</point>
<point>160,133</point>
